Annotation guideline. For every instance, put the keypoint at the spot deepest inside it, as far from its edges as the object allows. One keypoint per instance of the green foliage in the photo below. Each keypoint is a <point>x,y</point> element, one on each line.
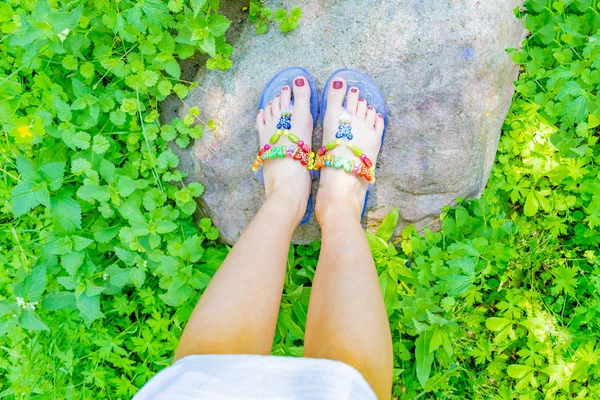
<point>102,260</point>
<point>262,16</point>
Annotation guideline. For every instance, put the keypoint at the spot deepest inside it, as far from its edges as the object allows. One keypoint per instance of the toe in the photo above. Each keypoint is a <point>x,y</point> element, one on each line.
<point>352,100</point>
<point>260,120</point>
<point>301,92</point>
<point>371,115</point>
<point>277,106</point>
<point>361,109</point>
<point>379,124</point>
<point>286,98</point>
<point>335,96</point>
<point>269,113</point>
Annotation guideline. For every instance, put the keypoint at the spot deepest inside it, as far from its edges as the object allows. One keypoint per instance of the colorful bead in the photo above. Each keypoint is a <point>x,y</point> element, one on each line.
<point>322,151</point>
<point>284,121</point>
<point>368,163</point>
<point>274,139</point>
<point>330,146</point>
<point>348,165</point>
<point>293,138</point>
<point>357,152</point>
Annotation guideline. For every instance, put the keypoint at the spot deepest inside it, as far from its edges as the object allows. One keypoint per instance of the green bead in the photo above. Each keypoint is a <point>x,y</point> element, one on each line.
<point>274,138</point>
<point>357,152</point>
<point>348,165</point>
<point>330,146</point>
<point>272,154</point>
<point>338,162</point>
<point>293,138</point>
<point>281,151</point>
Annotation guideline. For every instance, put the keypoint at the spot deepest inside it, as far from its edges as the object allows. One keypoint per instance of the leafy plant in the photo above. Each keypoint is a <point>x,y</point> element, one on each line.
<point>262,16</point>
<point>102,260</point>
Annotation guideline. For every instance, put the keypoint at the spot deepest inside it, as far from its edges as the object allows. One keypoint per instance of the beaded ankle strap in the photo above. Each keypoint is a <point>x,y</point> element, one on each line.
<point>299,151</point>
<point>363,169</point>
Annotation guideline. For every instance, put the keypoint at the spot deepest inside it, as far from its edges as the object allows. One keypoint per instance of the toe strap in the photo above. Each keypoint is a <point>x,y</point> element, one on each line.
<point>299,151</point>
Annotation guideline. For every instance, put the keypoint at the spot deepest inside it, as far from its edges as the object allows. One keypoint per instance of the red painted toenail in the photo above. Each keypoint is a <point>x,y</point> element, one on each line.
<point>354,90</point>
<point>338,84</point>
<point>277,95</point>
<point>370,107</point>
<point>299,82</point>
<point>269,103</point>
<point>380,115</point>
<point>285,88</point>
<point>361,99</point>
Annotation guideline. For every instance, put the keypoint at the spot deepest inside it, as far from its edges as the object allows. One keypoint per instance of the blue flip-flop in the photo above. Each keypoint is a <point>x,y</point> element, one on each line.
<point>274,86</point>
<point>369,91</point>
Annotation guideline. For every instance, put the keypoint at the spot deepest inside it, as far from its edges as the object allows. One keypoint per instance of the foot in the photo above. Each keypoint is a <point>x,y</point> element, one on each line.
<point>337,187</point>
<point>286,176</point>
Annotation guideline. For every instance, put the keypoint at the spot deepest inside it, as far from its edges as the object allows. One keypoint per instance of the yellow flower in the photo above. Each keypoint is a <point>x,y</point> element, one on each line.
<point>24,131</point>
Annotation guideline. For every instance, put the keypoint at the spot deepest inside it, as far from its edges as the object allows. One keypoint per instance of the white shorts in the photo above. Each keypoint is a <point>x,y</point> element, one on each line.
<point>229,377</point>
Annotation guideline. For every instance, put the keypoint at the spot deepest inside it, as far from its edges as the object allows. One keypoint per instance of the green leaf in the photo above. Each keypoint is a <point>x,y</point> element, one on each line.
<point>92,191</point>
<point>26,196</point>
<point>531,204</point>
<point>80,242</point>
<point>518,371</point>
<point>218,24</point>
<point>27,169</point>
<point>58,300</point>
<point>424,359</point>
<point>197,6</point>
<point>101,144</point>
<point>30,321</point>
<point>72,261</point>
<point>497,324</point>
<point>388,225</point>
<point>126,256</point>
<point>65,212</point>
<point>89,307</point>
<point>34,284</point>
<point>53,173</point>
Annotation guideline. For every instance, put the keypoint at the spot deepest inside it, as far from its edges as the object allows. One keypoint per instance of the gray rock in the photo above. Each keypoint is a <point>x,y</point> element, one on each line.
<point>444,71</point>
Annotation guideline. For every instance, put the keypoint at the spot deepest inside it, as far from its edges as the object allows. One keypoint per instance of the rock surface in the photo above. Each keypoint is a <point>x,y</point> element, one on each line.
<point>444,71</point>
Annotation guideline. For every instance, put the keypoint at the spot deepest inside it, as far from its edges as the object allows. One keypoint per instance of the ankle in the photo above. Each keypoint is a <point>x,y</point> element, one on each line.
<point>291,202</point>
<point>332,207</point>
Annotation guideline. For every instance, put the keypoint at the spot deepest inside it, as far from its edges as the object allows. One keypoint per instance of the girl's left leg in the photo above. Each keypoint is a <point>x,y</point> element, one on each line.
<point>237,313</point>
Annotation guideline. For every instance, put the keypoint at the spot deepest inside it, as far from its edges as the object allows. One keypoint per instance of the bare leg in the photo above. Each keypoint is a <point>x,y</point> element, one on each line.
<point>237,313</point>
<point>347,320</point>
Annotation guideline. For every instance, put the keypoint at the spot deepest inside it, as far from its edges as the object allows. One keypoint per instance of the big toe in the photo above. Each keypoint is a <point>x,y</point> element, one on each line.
<point>301,93</point>
<point>335,96</point>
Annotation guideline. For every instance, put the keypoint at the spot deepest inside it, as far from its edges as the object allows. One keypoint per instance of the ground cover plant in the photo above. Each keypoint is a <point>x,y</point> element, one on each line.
<point>102,260</point>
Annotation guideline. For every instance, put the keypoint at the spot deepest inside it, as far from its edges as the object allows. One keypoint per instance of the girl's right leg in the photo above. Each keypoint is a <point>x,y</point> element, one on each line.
<point>347,320</point>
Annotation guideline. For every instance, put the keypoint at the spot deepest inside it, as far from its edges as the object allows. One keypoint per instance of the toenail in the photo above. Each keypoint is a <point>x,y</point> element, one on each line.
<point>277,95</point>
<point>370,107</point>
<point>361,99</point>
<point>354,90</point>
<point>299,82</point>
<point>269,103</point>
<point>380,115</point>
<point>285,88</point>
<point>337,84</point>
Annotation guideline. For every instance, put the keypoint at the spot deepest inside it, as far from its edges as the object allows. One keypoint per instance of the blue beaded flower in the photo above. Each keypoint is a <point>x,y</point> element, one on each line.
<point>284,122</point>
<point>344,130</point>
